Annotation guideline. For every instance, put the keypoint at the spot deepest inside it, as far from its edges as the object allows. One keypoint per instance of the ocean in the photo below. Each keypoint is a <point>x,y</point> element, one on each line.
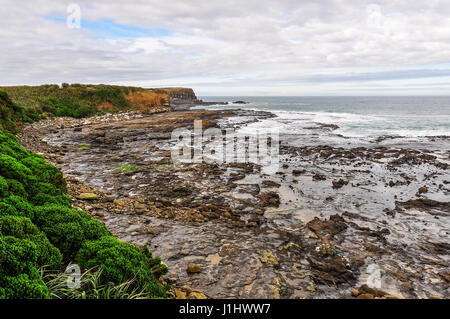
<point>367,117</point>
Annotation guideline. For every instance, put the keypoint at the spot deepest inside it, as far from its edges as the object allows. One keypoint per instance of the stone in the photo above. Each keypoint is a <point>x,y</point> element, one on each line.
<point>87,196</point>
<point>365,296</point>
<point>140,208</point>
<point>109,198</point>
<point>269,199</point>
<point>135,228</point>
<point>152,230</point>
<point>197,295</point>
<point>355,292</point>
<point>193,268</point>
<point>423,189</point>
<point>269,258</point>
<point>99,214</point>
<point>118,202</point>
<point>339,183</point>
<point>365,289</point>
<point>319,177</point>
<point>180,294</point>
<point>297,172</point>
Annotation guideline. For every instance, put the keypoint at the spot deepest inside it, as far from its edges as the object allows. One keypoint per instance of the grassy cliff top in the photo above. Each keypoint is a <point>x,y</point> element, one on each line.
<point>81,100</point>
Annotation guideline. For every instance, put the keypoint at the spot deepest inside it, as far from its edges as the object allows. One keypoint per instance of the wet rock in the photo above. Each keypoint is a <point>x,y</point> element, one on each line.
<point>297,172</point>
<point>355,292</point>
<point>425,204</point>
<point>319,177</point>
<point>365,296</point>
<point>196,295</point>
<point>99,214</point>
<point>140,208</point>
<point>118,203</point>
<point>153,231</point>
<point>339,183</point>
<point>374,292</point>
<point>135,228</point>
<point>327,228</point>
<point>423,189</point>
<point>193,268</point>
<point>180,294</point>
<point>270,184</point>
<point>445,275</point>
<point>269,199</point>
<point>329,270</point>
<point>269,258</point>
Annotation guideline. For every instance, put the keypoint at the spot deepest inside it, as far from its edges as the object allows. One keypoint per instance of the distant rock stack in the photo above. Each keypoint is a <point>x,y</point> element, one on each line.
<point>185,98</point>
<point>182,98</point>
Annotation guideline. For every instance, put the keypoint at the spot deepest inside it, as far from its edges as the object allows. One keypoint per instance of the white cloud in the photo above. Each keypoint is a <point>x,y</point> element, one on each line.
<point>279,46</point>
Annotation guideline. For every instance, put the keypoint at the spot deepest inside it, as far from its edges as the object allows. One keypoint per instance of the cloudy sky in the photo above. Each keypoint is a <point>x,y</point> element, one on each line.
<point>251,47</point>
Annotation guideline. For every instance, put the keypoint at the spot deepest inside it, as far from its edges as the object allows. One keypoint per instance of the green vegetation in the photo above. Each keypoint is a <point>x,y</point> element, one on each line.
<point>126,168</point>
<point>75,100</point>
<point>39,228</point>
<point>92,286</point>
<point>83,146</point>
<point>11,114</point>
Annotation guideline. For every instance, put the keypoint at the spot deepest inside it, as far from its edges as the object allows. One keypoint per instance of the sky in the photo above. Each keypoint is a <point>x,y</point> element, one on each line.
<point>235,48</point>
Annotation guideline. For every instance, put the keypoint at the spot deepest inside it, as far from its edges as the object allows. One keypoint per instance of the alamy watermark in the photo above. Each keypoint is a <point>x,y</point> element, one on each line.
<point>73,20</point>
<point>74,276</point>
<point>214,145</point>
<point>374,276</point>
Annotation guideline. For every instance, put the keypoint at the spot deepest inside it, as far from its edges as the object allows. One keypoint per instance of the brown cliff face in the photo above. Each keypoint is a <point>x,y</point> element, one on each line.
<point>148,100</point>
<point>181,96</point>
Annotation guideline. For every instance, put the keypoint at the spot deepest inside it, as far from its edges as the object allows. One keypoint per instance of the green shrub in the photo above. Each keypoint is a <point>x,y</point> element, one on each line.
<point>22,287</point>
<point>19,275</point>
<point>7,210</point>
<point>16,188</point>
<point>20,206</point>
<point>43,172</point>
<point>11,168</point>
<point>68,228</point>
<point>43,199</point>
<point>3,187</point>
<point>10,146</point>
<point>23,228</point>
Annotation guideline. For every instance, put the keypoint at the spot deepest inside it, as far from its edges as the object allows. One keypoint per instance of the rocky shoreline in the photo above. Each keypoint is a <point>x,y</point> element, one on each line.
<point>328,222</point>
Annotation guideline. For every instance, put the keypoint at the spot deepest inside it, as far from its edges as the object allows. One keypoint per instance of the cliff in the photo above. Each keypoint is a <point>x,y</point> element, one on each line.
<point>181,98</point>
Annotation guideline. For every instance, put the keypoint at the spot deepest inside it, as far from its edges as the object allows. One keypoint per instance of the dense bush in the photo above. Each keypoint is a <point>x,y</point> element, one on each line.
<point>68,228</point>
<point>19,269</point>
<point>23,228</point>
<point>39,227</point>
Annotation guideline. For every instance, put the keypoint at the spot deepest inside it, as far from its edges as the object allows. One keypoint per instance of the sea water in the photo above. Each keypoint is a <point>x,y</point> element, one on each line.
<point>371,117</point>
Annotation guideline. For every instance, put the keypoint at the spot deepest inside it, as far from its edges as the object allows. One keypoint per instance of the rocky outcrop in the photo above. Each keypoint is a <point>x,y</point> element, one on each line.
<point>184,98</point>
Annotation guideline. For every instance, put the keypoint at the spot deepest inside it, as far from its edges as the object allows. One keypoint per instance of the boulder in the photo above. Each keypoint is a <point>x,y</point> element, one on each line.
<point>87,196</point>
<point>193,268</point>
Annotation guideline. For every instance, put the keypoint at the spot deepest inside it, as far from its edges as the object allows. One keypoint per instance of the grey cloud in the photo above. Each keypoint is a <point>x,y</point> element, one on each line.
<point>272,41</point>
